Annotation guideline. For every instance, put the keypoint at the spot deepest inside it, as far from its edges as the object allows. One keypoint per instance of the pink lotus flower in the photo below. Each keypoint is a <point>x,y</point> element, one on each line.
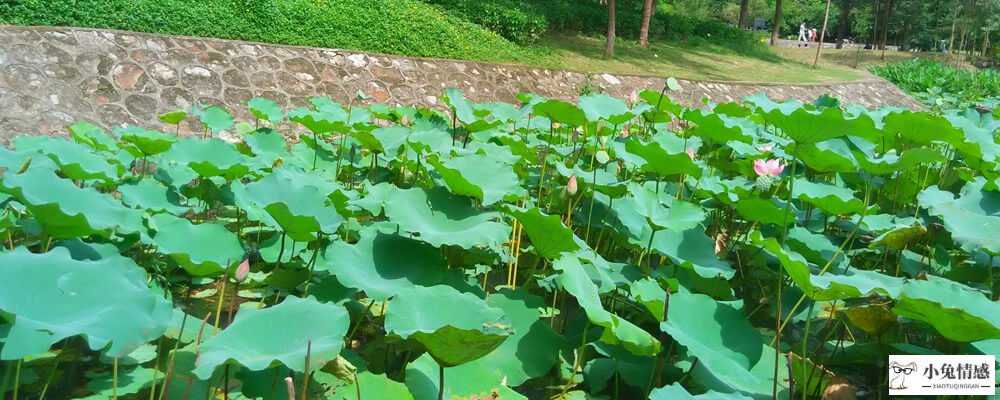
<point>772,167</point>
<point>572,187</point>
<point>242,271</point>
<point>765,147</point>
<point>634,96</point>
<point>691,154</point>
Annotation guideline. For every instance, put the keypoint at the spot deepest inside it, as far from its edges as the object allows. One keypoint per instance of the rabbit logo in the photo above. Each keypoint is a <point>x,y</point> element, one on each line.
<point>899,373</point>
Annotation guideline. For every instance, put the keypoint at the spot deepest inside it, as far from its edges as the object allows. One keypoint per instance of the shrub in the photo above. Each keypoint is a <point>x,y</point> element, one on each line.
<point>407,27</point>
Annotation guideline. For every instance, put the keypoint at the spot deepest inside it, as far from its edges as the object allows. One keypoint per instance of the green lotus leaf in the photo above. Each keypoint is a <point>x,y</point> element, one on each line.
<point>828,156</point>
<point>203,249</point>
<point>372,386</point>
<point>694,250</point>
<point>76,161</point>
<point>561,112</point>
<point>462,108</point>
<point>659,161</point>
<point>601,106</point>
<point>677,392</point>
<point>763,210</point>
<point>213,118</point>
<point>266,110</point>
<point>422,379</point>
<point>92,136</point>
<point>529,352</point>
<point>298,202</point>
<point>317,121</point>
<point>283,333</point>
<point>172,117</point>
<point>77,302</point>
<point>828,287</point>
<point>661,106</point>
<point>439,218</point>
<point>212,157</point>
<point>45,196</point>
<point>150,195</point>
<point>549,237</point>
<point>479,176</point>
<point>382,264</point>
<point>956,311</point>
<point>454,327</point>
<point>144,142</point>
<point>899,237</point>
<point>617,330</point>
<point>815,248</point>
<point>720,128</point>
<point>835,200</point>
<point>973,218</point>
<point>805,126</point>
<point>921,127</point>
<point>719,335</point>
<point>129,382</point>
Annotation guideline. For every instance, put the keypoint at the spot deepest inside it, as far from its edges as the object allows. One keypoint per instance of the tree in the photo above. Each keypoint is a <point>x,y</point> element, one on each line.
<point>845,13</point>
<point>609,47</point>
<point>647,12</point>
<point>776,31</point>
<point>744,7</point>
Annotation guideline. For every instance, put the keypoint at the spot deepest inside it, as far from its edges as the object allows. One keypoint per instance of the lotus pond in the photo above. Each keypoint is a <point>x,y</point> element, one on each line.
<point>609,249</point>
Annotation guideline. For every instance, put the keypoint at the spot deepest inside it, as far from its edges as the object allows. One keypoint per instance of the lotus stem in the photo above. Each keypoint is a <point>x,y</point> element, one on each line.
<point>17,377</point>
<point>805,349</point>
<point>218,305</point>
<point>312,263</point>
<point>156,369</point>
<point>357,385</point>
<point>114,379</point>
<point>170,365</point>
<point>781,273</point>
<point>197,343</point>
<point>55,366</point>
<point>440,382</point>
<point>576,359</point>
<point>305,379</point>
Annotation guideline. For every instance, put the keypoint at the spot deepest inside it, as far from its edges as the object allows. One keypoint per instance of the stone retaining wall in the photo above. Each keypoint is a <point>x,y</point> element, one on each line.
<point>52,76</point>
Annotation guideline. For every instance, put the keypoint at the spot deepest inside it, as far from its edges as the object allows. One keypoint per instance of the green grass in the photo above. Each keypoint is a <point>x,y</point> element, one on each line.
<point>406,27</point>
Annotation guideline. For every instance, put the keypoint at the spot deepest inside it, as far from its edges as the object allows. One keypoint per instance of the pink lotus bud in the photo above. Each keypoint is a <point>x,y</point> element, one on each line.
<point>765,147</point>
<point>691,154</point>
<point>405,121</point>
<point>572,187</point>
<point>634,96</point>
<point>242,271</point>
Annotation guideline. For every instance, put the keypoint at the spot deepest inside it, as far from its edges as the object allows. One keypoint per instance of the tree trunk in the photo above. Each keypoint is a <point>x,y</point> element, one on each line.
<point>744,7</point>
<point>885,26</point>
<point>822,34</point>
<point>845,13</point>
<point>875,24</point>
<point>647,12</point>
<point>776,29</point>
<point>954,21</point>
<point>609,48</point>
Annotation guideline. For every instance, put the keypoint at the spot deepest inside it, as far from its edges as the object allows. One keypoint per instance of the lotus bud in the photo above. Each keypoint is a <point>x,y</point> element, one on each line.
<point>242,271</point>
<point>556,125</point>
<point>765,148</point>
<point>576,134</point>
<point>572,187</point>
<point>690,153</point>
<point>405,121</point>
<point>634,96</point>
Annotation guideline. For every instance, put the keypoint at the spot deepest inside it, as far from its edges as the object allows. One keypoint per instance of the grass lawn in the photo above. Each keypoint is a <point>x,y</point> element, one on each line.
<point>708,61</point>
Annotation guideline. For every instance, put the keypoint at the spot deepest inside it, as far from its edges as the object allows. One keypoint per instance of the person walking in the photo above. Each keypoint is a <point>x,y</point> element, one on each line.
<point>802,32</point>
